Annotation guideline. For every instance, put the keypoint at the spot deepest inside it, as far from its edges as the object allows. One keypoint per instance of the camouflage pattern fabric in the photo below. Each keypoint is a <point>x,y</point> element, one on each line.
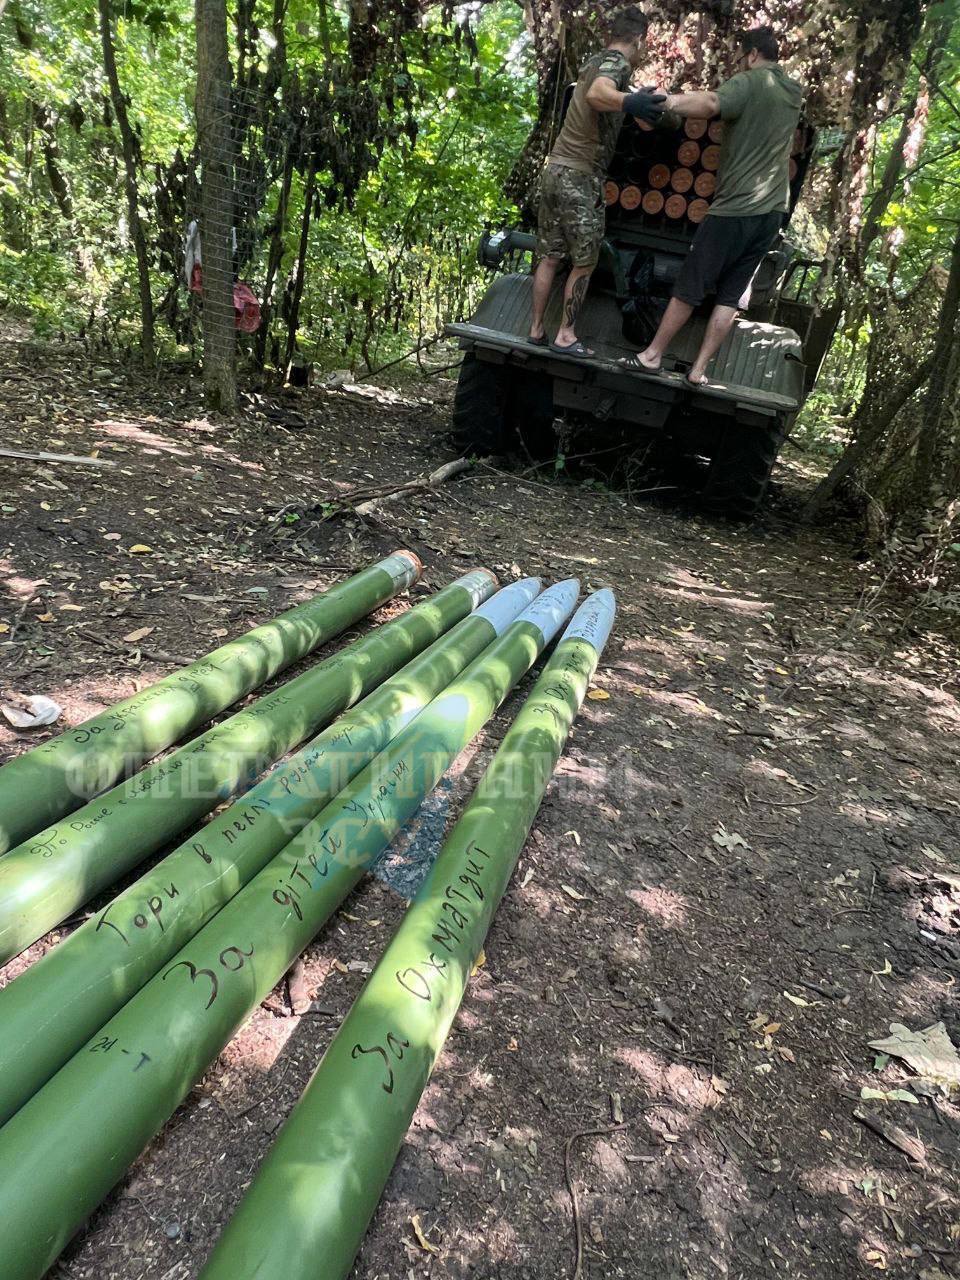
<point>571,218</point>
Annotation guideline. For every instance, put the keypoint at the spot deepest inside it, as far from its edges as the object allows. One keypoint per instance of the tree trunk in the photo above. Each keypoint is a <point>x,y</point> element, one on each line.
<point>147,342</point>
<point>274,258</point>
<point>866,438</point>
<point>216,205</point>
<point>293,314</point>
<point>935,465</point>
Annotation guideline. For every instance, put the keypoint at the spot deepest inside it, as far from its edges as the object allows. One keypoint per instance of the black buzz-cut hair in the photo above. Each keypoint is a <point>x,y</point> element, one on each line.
<point>629,24</point>
<point>761,39</point>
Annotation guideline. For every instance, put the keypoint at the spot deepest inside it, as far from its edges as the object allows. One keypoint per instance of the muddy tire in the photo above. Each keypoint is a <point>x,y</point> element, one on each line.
<point>480,408</point>
<point>740,469</point>
<point>497,410</point>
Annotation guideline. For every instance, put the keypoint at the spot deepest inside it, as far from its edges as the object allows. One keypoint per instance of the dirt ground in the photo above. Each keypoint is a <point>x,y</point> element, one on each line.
<point>731,888</point>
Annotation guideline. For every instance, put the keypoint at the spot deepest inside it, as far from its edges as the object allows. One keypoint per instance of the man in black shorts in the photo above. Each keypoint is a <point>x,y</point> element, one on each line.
<point>760,107</point>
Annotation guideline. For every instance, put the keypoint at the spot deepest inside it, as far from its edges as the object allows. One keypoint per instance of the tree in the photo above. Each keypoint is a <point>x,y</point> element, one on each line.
<point>128,146</point>
<point>214,134</point>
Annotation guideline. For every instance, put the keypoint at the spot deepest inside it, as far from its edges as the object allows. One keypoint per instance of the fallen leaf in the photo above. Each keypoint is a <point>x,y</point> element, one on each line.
<point>576,837</point>
<point>340,966</point>
<point>798,1001</point>
<point>422,1240</point>
<point>45,617</point>
<point>771,1028</point>
<point>888,1095</point>
<point>219,631</point>
<point>478,964</point>
<point>141,549</point>
<point>728,840</point>
<point>876,1259</point>
<point>786,1054</point>
<point>4,628</point>
<point>930,1053</point>
<point>616,1108</point>
<point>572,893</point>
<point>598,695</point>
<point>141,632</point>
<point>513,1045</point>
<point>71,608</point>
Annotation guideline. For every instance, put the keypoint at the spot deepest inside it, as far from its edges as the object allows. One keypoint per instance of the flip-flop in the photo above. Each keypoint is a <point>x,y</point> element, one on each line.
<point>542,341</point>
<point>576,349</point>
<point>636,365</point>
<point>696,386</point>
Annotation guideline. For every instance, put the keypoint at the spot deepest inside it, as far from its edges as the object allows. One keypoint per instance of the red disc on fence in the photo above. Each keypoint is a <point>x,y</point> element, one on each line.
<point>695,128</point>
<point>675,207</point>
<point>688,153</point>
<point>642,124</point>
<point>697,210</point>
<point>653,202</point>
<point>659,175</point>
<point>611,193</point>
<point>705,184</point>
<point>715,130</point>
<point>711,158</point>
<point>793,168</point>
<point>630,197</point>
<point>798,141</point>
<point>681,180</point>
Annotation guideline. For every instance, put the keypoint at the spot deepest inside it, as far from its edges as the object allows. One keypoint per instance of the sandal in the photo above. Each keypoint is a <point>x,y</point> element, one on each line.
<point>696,386</point>
<point>542,341</point>
<point>636,365</point>
<point>576,349</point>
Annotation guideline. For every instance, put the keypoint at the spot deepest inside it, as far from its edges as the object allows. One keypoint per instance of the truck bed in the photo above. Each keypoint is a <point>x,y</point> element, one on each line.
<point>759,368</point>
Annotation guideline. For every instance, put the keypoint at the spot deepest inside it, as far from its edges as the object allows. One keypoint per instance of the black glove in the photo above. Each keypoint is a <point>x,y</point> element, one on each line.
<point>644,105</point>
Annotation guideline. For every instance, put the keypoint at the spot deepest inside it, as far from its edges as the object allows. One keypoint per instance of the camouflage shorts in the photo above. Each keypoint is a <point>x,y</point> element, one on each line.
<point>571,219</point>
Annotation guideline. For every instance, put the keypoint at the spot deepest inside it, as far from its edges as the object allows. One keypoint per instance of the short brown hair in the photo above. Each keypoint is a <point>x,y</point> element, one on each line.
<point>761,39</point>
<point>629,24</point>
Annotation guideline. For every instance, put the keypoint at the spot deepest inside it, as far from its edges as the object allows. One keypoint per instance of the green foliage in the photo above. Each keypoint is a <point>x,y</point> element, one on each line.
<point>391,244</point>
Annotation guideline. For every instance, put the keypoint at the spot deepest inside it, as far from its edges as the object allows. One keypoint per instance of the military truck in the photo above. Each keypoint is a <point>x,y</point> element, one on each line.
<point>660,186</point>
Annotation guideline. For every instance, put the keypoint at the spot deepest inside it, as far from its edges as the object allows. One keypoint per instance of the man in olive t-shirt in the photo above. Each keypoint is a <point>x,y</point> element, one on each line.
<point>760,108</point>
<point>572,212</point>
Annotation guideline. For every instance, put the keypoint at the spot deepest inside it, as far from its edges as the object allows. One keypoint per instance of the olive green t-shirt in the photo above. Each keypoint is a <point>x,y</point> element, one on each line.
<point>588,138</point>
<point>760,109</point>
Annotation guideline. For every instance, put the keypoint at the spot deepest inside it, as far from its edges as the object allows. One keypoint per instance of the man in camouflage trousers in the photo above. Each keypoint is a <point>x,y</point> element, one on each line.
<point>571,219</point>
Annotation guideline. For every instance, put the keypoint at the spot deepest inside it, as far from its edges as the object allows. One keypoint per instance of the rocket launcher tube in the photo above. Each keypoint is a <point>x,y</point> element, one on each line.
<point>50,875</point>
<point>321,1182</point>
<point>113,1095</point>
<point>42,785</point>
<point>110,957</point>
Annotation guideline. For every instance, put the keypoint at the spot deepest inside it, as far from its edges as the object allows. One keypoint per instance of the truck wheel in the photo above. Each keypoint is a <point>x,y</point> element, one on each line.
<point>740,468</point>
<point>530,412</point>
<point>479,407</point>
<point>495,409</point>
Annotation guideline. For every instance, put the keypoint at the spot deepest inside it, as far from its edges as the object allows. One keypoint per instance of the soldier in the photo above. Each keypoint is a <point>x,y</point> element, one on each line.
<point>760,107</point>
<point>571,219</point>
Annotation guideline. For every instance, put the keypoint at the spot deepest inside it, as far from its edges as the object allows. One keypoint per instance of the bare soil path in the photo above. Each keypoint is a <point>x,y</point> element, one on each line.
<point>731,888</point>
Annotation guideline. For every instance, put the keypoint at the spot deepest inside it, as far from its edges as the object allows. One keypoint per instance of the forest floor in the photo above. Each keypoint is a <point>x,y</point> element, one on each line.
<point>738,879</point>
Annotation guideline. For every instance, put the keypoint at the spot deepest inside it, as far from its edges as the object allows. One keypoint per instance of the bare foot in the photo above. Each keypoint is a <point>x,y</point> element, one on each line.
<point>697,379</point>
